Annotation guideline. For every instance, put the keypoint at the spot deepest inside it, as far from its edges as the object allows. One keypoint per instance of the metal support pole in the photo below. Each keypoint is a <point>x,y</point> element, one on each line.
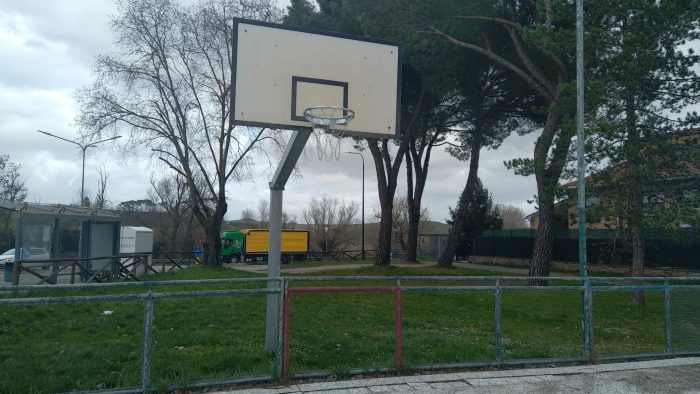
<point>497,322</point>
<point>398,322</point>
<point>667,317</point>
<point>286,348</point>
<point>82,181</point>
<point>147,341</point>
<point>363,207</point>
<point>289,159</point>
<point>279,362</point>
<point>587,320</point>
<point>273,269</point>
<point>55,250</point>
<point>581,181</point>
<point>580,143</point>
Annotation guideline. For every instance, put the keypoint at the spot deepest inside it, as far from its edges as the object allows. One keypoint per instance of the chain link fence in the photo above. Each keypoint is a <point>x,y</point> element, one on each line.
<point>141,336</point>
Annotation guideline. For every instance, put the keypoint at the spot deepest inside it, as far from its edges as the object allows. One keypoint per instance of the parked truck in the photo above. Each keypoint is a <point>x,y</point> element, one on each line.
<point>252,244</point>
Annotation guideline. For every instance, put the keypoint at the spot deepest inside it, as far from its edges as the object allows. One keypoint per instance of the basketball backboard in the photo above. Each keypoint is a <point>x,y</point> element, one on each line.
<point>279,71</point>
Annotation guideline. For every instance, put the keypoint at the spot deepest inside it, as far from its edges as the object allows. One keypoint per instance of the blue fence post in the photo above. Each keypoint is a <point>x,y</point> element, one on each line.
<point>667,317</point>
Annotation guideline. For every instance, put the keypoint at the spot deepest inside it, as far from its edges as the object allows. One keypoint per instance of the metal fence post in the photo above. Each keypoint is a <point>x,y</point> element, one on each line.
<point>398,317</point>
<point>497,321</point>
<point>147,340</point>
<point>16,269</point>
<point>667,317</point>
<point>285,338</point>
<point>280,328</point>
<point>587,319</point>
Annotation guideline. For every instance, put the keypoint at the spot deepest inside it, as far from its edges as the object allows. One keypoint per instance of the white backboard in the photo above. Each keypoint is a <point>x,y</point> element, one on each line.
<point>279,71</point>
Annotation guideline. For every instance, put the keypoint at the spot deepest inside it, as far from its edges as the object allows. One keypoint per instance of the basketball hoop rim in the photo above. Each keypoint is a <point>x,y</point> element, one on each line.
<point>320,120</point>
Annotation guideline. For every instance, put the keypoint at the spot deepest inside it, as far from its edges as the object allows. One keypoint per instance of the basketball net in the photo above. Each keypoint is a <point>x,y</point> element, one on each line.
<point>329,124</point>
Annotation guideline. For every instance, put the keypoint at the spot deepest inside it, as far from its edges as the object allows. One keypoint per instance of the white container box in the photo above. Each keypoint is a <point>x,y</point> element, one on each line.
<point>136,240</point>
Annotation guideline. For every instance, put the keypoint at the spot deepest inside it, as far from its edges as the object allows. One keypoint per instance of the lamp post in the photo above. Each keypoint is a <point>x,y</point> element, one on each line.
<point>363,201</point>
<point>83,147</point>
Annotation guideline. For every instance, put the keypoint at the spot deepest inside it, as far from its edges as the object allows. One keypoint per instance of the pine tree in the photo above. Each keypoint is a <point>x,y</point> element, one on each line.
<point>479,216</point>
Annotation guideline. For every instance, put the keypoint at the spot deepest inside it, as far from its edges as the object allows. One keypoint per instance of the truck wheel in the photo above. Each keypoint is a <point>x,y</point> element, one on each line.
<point>236,258</point>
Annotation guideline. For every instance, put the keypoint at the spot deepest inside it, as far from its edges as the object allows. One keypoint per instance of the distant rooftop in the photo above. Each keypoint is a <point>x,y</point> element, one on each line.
<point>59,210</point>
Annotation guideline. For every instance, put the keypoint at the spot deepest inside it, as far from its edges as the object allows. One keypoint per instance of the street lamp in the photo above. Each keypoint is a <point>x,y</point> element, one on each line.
<point>363,201</point>
<point>84,148</point>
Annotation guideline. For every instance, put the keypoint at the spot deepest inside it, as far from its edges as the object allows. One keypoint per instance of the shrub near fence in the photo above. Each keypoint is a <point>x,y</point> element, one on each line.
<point>678,249</point>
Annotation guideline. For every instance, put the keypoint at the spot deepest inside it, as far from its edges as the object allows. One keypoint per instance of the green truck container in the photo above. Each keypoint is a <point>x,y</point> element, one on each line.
<point>252,244</point>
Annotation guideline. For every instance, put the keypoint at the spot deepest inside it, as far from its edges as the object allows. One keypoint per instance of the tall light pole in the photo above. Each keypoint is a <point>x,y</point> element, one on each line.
<point>581,184</point>
<point>83,147</point>
<point>363,201</point>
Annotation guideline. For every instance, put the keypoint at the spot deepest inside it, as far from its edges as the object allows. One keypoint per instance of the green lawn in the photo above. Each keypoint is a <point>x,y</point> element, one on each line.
<point>52,348</point>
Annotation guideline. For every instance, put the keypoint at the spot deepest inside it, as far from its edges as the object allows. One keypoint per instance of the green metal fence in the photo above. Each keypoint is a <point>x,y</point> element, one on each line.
<point>678,248</point>
<point>215,327</point>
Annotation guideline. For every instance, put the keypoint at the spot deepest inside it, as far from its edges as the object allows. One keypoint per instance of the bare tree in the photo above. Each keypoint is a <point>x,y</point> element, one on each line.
<point>248,214</point>
<point>101,196</point>
<point>168,86</point>
<point>402,222</point>
<point>12,184</point>
<point>289,221</point>
<point>513,217</point>
<point>170,193</point>
<point>336,216</point>
<point>263,214</point>
<point>12,189</point>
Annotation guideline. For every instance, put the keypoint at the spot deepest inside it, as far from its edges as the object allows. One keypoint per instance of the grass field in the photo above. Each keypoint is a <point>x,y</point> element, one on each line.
<point>52,348</point>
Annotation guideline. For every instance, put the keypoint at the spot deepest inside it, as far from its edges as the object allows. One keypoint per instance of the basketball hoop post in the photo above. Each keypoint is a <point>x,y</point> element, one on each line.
<point>274,257</point>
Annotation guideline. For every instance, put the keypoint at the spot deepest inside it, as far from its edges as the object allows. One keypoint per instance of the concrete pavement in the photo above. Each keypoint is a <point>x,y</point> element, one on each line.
<point>680,375</point>
<point>262,268</point>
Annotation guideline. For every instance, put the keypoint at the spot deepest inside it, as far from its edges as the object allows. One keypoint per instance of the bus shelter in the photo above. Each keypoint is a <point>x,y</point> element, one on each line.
<point>54,231</point>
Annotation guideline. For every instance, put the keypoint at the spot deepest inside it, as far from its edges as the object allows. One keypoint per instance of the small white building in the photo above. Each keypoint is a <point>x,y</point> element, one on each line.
<point>137,240</point>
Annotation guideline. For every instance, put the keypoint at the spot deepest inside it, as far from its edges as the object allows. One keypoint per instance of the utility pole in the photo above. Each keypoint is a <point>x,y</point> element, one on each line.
<point>581,185</point>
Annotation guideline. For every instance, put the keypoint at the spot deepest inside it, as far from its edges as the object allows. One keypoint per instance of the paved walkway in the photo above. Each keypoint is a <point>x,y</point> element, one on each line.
<point>261,268</point>
<point>681,375</point>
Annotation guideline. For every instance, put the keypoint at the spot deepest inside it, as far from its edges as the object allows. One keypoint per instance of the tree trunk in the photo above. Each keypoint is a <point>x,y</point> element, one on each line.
<point>412,236</point>
<point>383,258</point>
<point>635,195</point>
<point>638,243</point>
<point>457,229</point>
<point>212,247</point>
<point>544,242</point>
<point>387,179</point>
<point>547,178</point>
<point>212,231</point>
<point>411,245</point>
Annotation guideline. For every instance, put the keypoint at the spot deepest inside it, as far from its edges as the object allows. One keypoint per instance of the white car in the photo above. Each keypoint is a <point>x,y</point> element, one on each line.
<point>7,256</point>
<point>28,253</point>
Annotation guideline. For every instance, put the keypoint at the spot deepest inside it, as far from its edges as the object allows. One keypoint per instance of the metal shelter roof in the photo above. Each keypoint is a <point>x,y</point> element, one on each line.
<point>59,211</point>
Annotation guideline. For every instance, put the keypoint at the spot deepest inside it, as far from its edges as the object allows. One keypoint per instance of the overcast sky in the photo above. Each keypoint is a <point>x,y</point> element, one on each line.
<point>46,53</point>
